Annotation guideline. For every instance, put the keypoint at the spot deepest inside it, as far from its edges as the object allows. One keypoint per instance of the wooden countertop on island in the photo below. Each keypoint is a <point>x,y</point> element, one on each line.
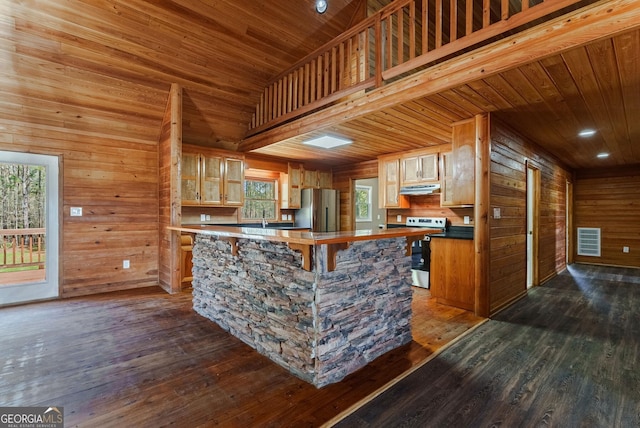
<point>304,237</point>
<point>304,240</point>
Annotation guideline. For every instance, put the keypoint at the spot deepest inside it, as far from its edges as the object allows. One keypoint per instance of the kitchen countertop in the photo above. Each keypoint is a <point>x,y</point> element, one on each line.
<point>302,237</point>
<point>455,232</point>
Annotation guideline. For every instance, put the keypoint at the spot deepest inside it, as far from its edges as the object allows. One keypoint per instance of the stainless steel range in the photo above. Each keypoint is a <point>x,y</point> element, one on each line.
<point>421,252</point>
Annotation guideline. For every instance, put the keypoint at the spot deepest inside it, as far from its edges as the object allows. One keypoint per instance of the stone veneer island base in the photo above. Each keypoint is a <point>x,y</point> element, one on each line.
<point>321,324</point>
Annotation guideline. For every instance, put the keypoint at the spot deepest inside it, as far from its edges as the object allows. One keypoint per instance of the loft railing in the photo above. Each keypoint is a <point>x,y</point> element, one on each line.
<point>22,248</point>
<point>402,37</point>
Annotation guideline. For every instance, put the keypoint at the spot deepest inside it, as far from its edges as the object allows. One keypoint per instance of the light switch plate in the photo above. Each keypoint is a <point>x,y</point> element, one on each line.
<point>203,217</point>
<point>467,219</point>
<point>76,212</point>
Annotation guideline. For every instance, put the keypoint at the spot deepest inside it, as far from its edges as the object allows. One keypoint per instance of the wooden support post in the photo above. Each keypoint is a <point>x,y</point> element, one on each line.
<point>481,214</point>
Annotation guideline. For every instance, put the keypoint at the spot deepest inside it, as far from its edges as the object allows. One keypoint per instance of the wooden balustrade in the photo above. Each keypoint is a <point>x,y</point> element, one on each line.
<point>22,248</point>
<point>402,37</point>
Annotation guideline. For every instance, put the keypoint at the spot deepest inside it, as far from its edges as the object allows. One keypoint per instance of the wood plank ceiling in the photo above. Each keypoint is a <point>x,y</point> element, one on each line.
<point>106,67</point>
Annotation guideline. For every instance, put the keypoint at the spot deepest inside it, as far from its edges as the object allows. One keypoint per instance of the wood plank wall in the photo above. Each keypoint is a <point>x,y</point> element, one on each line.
<point>114,180</point>
<point>509,154</point>
<point>610,199</point>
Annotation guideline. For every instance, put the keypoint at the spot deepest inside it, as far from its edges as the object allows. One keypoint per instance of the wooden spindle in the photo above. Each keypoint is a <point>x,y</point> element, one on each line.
<point>469,18</point>
<point>425,26</point>
<point>412,30</point>
<point>486,13</point>
<point>438,18</point>
<point>400,30</point>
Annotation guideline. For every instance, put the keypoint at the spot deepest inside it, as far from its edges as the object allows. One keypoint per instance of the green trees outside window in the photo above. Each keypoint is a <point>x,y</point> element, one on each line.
<point>260,200</point>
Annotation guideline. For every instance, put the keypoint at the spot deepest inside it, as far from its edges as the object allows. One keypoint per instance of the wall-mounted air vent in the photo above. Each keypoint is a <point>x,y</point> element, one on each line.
<point>589,241</point>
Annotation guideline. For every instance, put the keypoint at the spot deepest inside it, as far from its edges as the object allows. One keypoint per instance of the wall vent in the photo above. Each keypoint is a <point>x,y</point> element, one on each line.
<point>589,241</point>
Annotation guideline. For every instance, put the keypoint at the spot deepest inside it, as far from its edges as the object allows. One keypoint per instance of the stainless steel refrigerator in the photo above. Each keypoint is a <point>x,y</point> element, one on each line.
<point>320,210</point>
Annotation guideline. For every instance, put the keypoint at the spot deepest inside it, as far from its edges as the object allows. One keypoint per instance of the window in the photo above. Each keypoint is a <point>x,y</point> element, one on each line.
<point>363,203</point>
<point>259,199</point>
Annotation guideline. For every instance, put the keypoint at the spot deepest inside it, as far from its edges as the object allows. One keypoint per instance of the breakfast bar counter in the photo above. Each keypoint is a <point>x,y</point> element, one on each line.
<point>322,305</point>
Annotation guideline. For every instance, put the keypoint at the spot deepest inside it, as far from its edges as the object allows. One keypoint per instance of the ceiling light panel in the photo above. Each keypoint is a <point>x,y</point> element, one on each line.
<point>327,142</point>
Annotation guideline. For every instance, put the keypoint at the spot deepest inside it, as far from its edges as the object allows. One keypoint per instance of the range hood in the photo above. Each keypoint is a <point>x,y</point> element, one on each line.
<point>420,189</point>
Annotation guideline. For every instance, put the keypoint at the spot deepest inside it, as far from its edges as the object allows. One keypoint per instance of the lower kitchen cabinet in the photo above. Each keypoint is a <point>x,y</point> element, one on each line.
<point>452,272</point>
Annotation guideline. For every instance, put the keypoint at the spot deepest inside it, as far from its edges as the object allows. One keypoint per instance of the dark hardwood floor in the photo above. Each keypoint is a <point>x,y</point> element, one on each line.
<point>143,358</point>
<point>566,355</point>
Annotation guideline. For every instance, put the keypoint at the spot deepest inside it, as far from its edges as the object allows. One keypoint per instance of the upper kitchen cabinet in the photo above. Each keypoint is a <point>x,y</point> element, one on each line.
<point>211,177</point>
<point>291,187</point>
<point>233,181</point>
<point>310,179</point>
<point>419,168</point>
<point>389,188</point>
<point>458,166</point>
<point>325,179</point>
<point>317,179</point>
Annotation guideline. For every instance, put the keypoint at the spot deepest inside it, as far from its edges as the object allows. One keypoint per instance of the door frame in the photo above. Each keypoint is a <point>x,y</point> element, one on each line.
<point>50,287</point>
<point>532,223</point>
<point>569,252</point>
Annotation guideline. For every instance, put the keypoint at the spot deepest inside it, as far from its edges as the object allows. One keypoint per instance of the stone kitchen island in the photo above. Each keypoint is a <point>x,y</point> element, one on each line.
<point>322,305</point>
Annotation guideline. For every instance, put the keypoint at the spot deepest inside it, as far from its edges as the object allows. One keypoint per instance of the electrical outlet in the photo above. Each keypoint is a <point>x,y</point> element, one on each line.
<point>625,249</point>
<point>496,213</point>
<point>467,219</point>
<point>208,217</point>
<point>126,264</point>
<point>76,212</point>
<point>203,217</point>
<point>399,218</point>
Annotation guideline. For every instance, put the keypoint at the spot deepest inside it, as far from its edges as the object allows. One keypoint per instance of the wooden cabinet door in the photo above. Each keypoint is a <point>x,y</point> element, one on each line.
<point>458,167</point>
<point>310,179</point>
<point>325,179</point>
<point>446,182</point>
<point>452,272</point>
<point>234,182</point>
<point>410,171</point>
<point>295,186</point>
<point>389,177</point>
<point>464,153</point>
<point>211,183</point>
<point>428,167</point>
<point>419,169</point>
<point>190,179</point>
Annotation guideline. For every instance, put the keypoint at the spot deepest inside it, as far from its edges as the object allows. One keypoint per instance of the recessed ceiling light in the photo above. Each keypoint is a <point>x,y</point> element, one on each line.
<point>327,142</point>
<point>603,155</point>
<point>321,6</point>
<point>587,133</point>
